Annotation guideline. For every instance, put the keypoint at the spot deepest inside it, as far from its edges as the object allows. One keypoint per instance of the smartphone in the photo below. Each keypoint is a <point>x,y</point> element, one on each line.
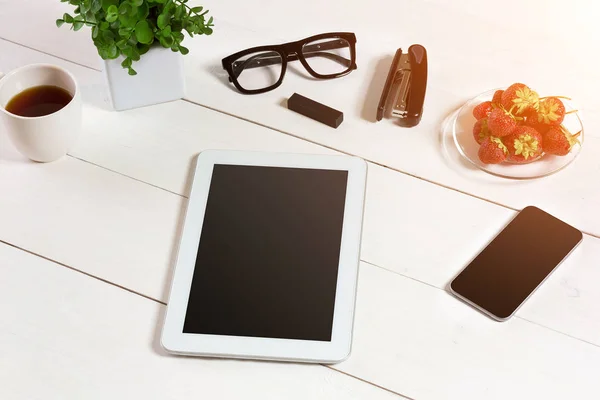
<point>515,263</point>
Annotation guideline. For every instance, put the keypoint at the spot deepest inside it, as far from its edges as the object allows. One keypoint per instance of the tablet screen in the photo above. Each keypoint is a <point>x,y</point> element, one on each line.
<point>267,261</point>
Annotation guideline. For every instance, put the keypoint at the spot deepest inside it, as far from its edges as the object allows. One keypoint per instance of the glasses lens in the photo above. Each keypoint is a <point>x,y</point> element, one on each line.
<point>328,56</point>
<point>258,70</point>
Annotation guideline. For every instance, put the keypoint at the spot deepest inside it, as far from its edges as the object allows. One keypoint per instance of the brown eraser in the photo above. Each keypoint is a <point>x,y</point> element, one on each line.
<point>317,111</point>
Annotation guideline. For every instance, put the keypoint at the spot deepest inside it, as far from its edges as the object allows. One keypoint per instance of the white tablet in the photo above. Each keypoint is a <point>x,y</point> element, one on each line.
<point>268,259</point>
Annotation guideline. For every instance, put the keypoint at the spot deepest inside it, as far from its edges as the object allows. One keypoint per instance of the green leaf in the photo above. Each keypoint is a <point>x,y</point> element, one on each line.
<point>85,6</point>
<point>143,49</point>
<point>133,12</point>
<point>124,8</point>
<point>178,36</point>
<point>103,53</point>
<point>143,11</point>
<point>67,18</point>
<point>113,52</point>
<point>126,63</point>
<point>96,6</point>
<point>77,25</point>
<point>107,3</point>
<point>183,50</point>
<point>122,44</point>
<point>208,31</point>
<point>125,32</point>
<point>90,17</point>
<point>60,22</point>
<point>137,3</point>
<point>135,54</point>
<point>143,33</point>
<point>108,37</point>
<point>131,72</point>
<point>95,31</point>
<point>176,26</point>
<point>112,14</point>
<point>168,41</point>
<point>197,9</point>
<point>104,25</point>
<point>167,31</point>
<point>162,21</point>
<point>179,11</point>
<point>127,21</point>
<point>127,51</point>
<point>210,21</point>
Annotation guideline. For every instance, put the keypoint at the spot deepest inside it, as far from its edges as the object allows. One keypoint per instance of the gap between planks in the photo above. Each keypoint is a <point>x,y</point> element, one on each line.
<point>277,130</point>
<point>162,303</point>
<point>366,159</point>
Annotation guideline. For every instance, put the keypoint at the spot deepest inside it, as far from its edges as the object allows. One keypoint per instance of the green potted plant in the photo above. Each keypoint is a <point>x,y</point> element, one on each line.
<point>141,43</point>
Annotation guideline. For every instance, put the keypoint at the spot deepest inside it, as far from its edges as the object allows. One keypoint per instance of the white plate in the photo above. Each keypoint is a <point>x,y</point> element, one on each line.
<point>462,130</point>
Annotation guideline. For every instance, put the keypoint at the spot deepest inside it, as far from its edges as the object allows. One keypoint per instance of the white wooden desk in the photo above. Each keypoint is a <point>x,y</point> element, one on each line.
<point>86,243</point>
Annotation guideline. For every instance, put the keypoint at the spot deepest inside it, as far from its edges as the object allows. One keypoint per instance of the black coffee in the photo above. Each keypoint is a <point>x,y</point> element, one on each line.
<point>38,101</point>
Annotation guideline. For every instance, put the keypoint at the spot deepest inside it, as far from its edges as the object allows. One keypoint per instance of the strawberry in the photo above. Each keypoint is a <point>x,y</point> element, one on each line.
<point>532,121</point>
<point>551,111</point>
<point>492,151</point>
<point>501,123</point>
<point>519,98</point>
<point>559,141</point>
<point>497,99</point>
<point>482,110</point>
<point>480,130</point>
<point>524,145</point>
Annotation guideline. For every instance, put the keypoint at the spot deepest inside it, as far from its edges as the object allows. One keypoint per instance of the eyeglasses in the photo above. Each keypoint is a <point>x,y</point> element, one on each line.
<point>260,69</point>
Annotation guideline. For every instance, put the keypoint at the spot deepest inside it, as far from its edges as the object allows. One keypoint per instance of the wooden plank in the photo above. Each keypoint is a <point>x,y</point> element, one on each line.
<point>420,340</point>
<point>33,24</point>
<point>66,335</point>
<point>57,333</point>
<point>63,185</point>
<point>429,234</point>
<point>426,151</point>
<point>404,217</point>
<point>420,151</point>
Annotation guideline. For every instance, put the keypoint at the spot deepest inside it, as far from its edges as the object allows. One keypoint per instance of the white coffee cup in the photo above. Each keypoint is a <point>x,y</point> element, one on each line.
<point>48,137</point>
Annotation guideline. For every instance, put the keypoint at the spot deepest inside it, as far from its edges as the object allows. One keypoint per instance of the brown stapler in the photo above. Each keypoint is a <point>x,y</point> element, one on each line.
<point>406,83</point>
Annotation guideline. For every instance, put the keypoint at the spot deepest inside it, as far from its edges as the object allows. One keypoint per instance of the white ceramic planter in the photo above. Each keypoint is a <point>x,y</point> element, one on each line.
<point>159,79</point>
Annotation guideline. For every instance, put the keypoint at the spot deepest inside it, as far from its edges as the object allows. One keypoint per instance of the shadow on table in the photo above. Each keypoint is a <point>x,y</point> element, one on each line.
<point>452,157</point>
<point>374,88</point>
<point>223,77</point>
<point>156,346</point>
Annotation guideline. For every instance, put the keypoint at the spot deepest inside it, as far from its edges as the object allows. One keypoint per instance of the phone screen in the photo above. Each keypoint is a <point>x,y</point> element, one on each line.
<point>516,262</point>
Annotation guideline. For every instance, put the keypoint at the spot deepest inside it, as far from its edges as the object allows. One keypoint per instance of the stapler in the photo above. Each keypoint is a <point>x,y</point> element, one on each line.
<point>407,83</point>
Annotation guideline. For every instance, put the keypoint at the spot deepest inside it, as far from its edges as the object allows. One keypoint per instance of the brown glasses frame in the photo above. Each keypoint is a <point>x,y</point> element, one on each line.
<point>292,51</point>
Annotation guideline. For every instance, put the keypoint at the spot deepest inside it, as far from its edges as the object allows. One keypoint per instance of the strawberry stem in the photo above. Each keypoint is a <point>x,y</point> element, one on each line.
<point>558,97</point>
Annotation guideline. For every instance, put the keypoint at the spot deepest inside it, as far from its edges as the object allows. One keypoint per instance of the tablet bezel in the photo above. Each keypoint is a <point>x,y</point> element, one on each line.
<point>175,341</point>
